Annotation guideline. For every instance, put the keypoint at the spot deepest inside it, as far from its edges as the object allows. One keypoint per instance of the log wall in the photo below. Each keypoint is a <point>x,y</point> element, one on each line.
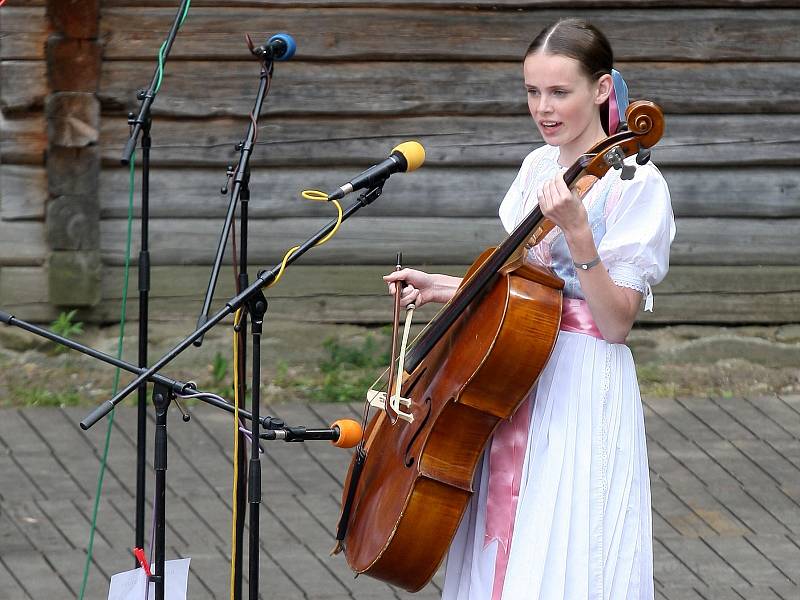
<point>364,78</point>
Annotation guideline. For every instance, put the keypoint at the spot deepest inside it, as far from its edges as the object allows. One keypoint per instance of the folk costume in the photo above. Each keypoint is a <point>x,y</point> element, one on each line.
<point>562,506</point>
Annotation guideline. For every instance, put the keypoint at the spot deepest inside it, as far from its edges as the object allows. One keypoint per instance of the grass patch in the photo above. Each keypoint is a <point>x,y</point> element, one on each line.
<point>349,369</point>
<point>35,396</point>
<point>655,381</point>
<point>343,374</point>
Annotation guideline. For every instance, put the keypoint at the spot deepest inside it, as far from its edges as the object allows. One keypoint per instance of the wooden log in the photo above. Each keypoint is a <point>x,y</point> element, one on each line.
<point>22,243</point>
<point>759,294</point>
<point>23,290</point>
<point>78,19</point>
<point>194,241</point>
<point>71,223</point>
<point>356,294</point>
<point>73,65</point>
<point>24,33</point>
<point>432,240</point>
<point>709,241</point>
<point>23,192</point>
<point>72,119</point>
<point>481,140</point>
<point>419,34</point>
<point>74,278</point>
<point>359,88</point>
<point>753,192</point>
<point>436,192</point>
<point>73,171</point>
<point>24,85</point>
<point>23,138</point>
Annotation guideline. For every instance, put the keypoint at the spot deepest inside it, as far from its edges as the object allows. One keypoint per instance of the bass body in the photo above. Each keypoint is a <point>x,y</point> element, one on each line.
<point>417,479</point>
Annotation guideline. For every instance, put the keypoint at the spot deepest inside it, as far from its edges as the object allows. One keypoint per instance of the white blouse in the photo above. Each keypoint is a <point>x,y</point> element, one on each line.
<point>631,221</point>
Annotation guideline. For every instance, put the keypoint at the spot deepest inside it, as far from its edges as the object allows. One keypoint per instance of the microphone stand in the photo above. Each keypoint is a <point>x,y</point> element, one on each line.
<point>263,279</point>
<point>165,391</point>
<point>240,195</point>
<point>144,300</point>
<point>142,124</point>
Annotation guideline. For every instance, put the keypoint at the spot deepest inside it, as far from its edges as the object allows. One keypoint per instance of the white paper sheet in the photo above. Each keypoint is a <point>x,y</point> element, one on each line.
<point>130,585</point>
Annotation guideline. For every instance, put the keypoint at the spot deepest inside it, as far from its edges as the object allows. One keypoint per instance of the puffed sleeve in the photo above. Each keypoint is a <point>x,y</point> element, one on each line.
<point>510,206</point>
<point>640,228</point>
<point>513,207</point>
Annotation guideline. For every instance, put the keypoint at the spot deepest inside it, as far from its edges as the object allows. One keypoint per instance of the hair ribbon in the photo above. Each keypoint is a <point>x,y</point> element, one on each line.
<point>617,102</point>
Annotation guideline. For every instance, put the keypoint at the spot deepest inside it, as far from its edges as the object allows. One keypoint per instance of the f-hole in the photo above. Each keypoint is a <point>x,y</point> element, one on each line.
<point>409,460</point>
<point>410,389</point>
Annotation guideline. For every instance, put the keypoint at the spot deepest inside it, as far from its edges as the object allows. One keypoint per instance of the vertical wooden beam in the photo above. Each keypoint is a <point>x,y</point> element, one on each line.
<point>72,216</point>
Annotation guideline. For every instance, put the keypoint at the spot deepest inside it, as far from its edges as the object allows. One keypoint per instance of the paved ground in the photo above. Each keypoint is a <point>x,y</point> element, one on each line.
<point>725,478</point>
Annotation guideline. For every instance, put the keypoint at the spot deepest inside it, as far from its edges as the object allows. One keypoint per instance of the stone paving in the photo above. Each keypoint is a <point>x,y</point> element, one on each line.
<point>725,476</point>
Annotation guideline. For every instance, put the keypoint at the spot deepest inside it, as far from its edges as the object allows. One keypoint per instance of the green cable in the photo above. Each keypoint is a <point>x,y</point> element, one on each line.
<point>103,461</point>
<point>164,45</point>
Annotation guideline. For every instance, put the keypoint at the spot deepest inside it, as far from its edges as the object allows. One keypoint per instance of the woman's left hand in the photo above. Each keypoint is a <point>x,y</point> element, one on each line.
<point>562,206</point>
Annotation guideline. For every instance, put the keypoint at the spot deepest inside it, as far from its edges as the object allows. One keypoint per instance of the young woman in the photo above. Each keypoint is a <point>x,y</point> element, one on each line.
<point>562,507</point>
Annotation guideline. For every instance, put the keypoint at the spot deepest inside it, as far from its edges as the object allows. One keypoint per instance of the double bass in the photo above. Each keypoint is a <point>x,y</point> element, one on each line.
<point>411,478</point>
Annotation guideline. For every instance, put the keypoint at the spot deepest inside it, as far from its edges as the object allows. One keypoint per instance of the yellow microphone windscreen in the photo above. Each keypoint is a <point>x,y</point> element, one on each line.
<point>413,152</point>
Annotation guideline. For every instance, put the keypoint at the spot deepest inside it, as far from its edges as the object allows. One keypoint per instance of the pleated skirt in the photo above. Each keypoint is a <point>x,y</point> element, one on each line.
<point>583,525</point>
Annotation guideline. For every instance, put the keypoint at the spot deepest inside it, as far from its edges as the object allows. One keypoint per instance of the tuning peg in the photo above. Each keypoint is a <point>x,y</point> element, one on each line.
<point>643,156</point>
<point>628,171</point>
<point>615,159</point>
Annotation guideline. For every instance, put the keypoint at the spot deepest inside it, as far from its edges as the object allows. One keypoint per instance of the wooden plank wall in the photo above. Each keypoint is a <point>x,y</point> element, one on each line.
<point>369,75</point>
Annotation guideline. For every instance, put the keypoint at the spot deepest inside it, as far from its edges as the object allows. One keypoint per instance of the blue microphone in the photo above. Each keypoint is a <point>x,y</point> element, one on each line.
<point>280,46</point>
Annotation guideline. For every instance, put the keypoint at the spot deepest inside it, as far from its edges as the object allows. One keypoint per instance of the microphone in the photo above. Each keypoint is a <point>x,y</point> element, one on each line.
<point>344,433</point>
<point>280,46</point>
<point>405,157</point>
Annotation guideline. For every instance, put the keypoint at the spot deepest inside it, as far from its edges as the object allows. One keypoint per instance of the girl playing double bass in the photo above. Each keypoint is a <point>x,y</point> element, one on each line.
<point>562,507</point>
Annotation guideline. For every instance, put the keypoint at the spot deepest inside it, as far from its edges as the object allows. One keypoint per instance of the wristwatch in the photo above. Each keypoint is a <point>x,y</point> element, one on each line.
<point>587,265</point>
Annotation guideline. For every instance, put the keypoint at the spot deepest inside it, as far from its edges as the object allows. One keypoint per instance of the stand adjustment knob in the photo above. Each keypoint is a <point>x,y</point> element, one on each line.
<point>229,172</point>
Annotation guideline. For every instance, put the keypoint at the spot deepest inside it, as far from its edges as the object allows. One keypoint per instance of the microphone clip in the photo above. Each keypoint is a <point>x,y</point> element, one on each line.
<point>369,196</point>
<point>264,52</point>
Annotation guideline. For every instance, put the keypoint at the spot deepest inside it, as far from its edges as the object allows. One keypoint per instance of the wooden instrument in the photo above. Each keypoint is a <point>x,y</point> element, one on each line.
<point>410,479</point>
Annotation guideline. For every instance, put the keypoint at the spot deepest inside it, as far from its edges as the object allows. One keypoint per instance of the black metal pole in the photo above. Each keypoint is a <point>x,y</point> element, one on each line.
<point>257,305</point>
<point>144,296</point>
<point>241,479</point>
<point>161,399</point>
<point>242,168</point>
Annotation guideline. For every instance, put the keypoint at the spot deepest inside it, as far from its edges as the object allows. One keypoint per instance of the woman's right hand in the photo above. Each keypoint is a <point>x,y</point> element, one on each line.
<point>420,288</point>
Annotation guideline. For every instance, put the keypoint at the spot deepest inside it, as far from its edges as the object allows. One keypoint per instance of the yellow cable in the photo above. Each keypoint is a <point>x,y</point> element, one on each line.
<point>317,196</point>
<point>236,333</point>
